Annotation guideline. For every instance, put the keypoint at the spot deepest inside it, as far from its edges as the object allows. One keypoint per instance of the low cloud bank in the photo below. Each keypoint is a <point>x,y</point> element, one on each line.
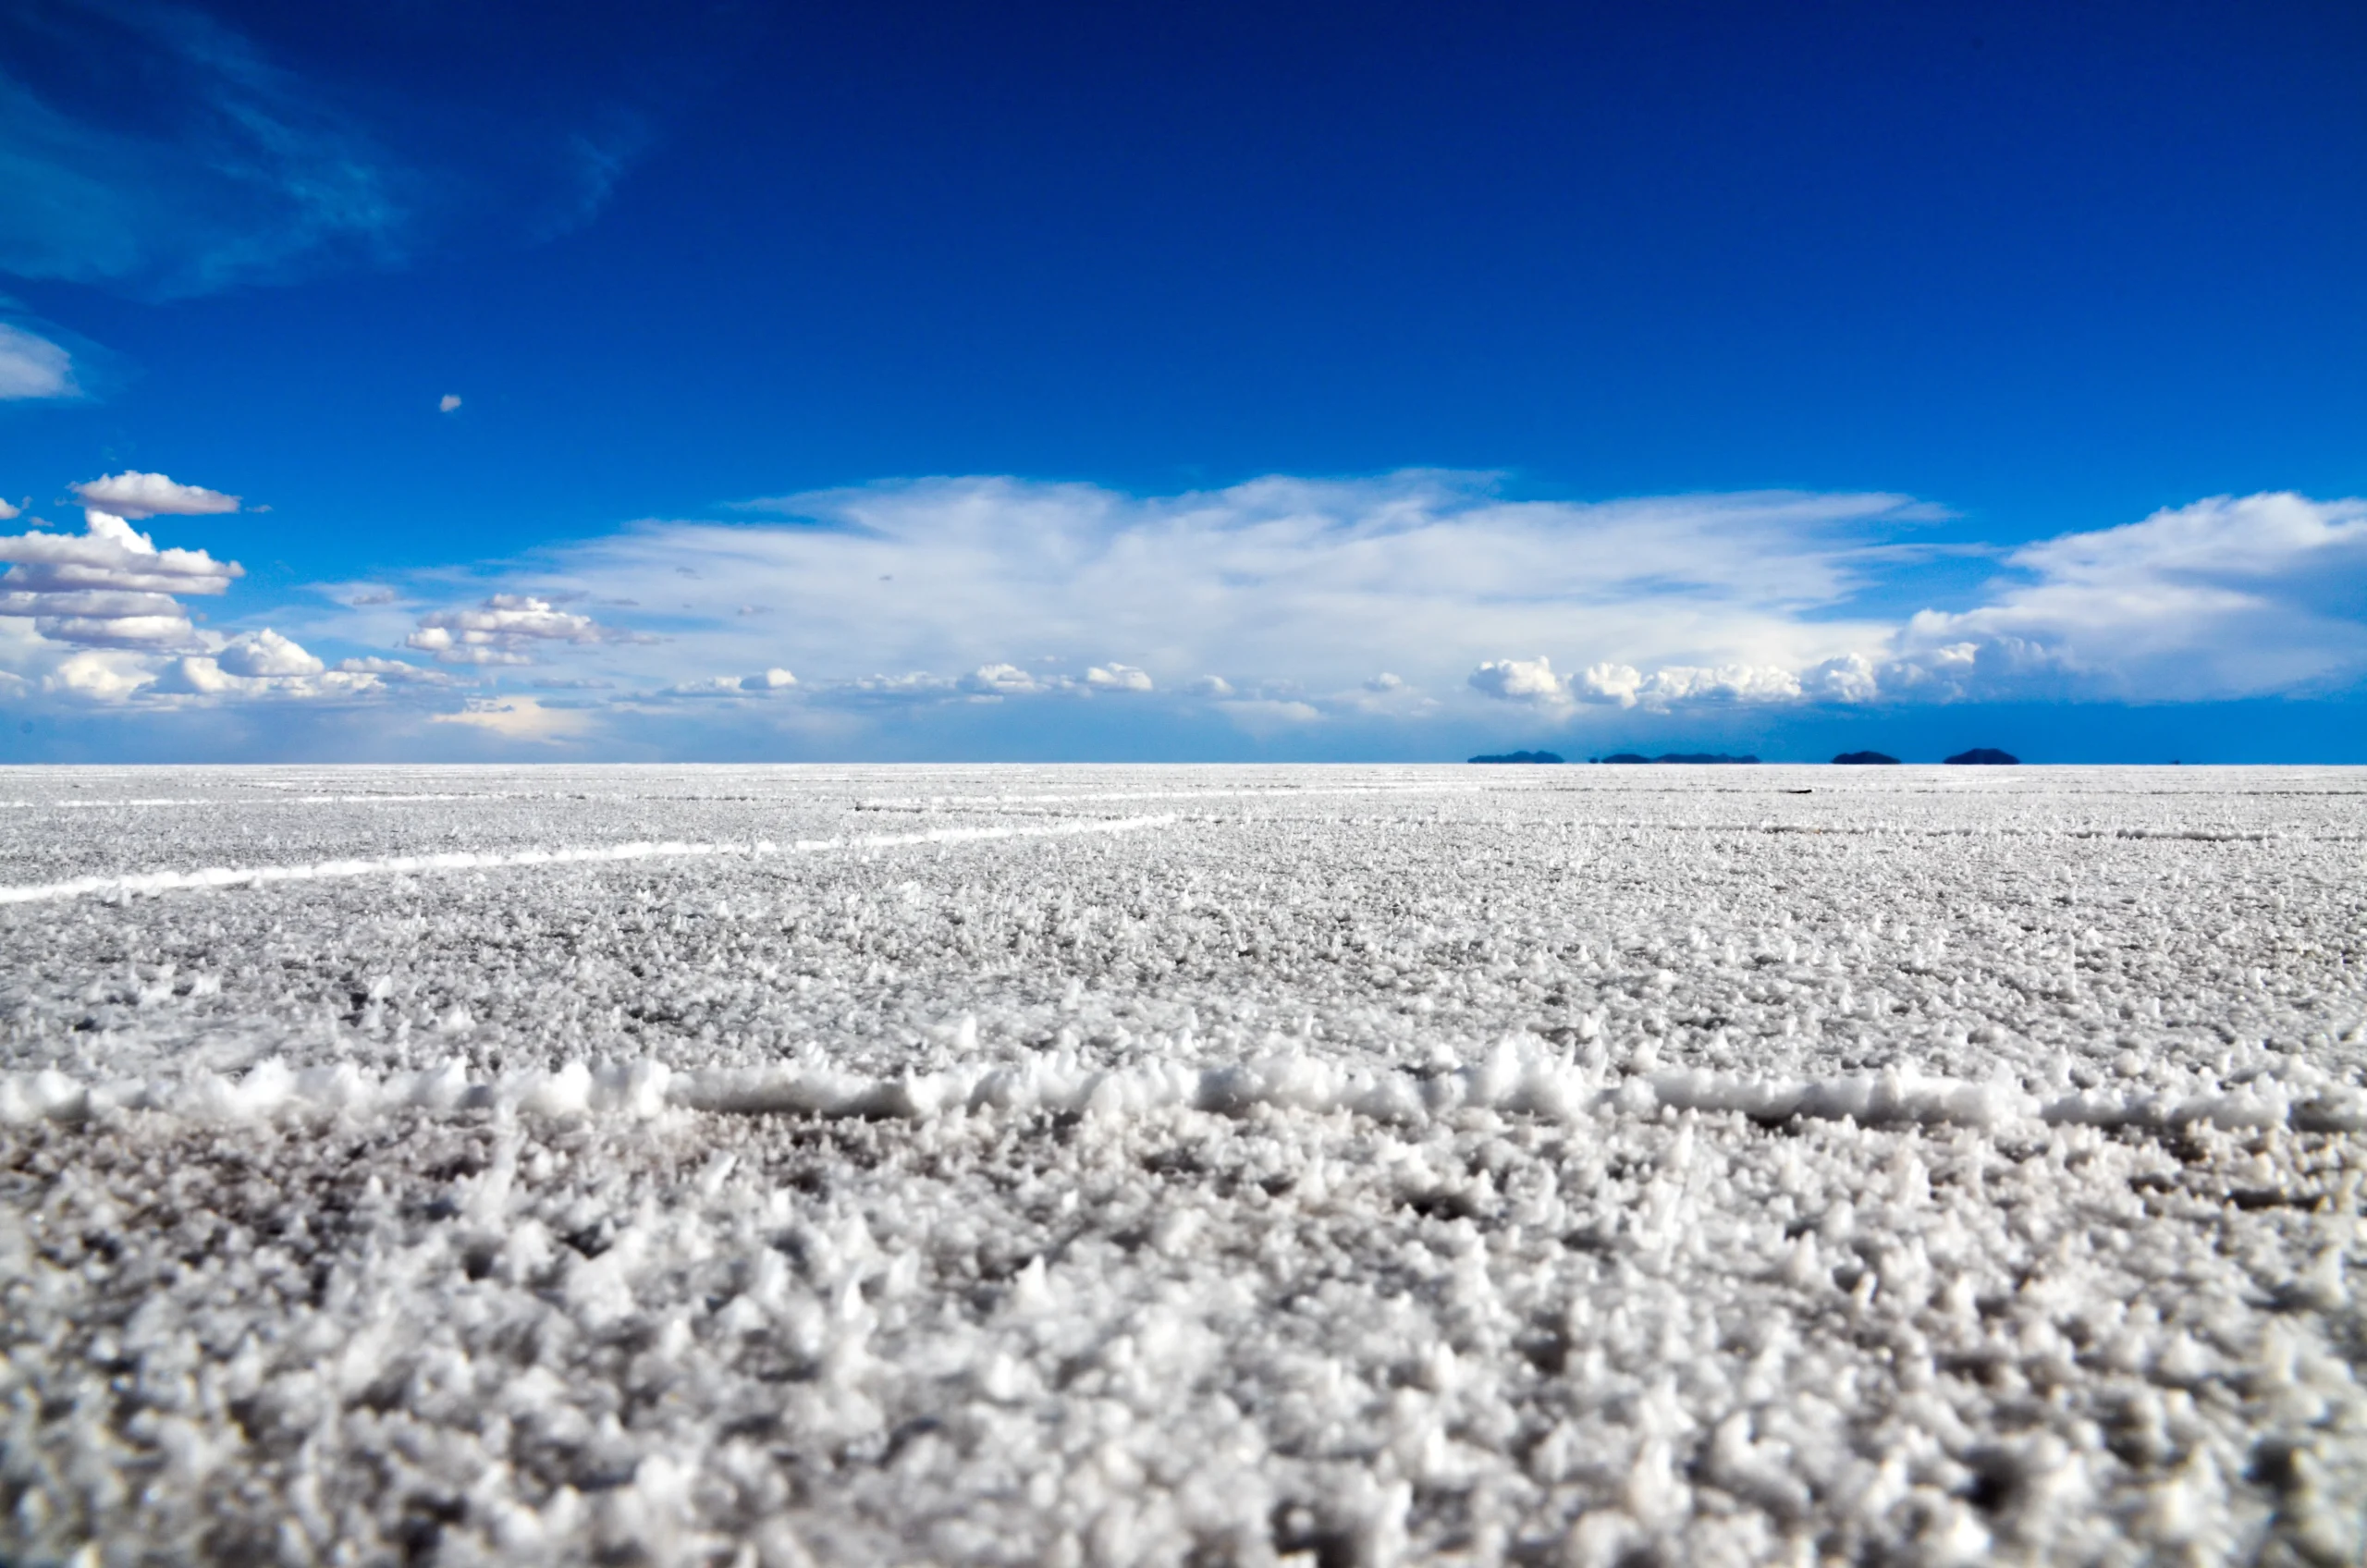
<point>1266,606</point>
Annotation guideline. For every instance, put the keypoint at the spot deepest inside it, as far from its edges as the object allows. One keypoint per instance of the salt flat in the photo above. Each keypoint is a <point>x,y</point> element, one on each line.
<point>1168,1165</point>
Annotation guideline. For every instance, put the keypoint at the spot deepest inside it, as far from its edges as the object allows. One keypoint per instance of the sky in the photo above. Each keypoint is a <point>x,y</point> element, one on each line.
<point>444,382</point>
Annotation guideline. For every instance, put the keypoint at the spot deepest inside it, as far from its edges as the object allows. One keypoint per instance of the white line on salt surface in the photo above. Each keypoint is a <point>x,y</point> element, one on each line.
<point>149,800</point>
<point>465,860</point>
<point>908,802</point>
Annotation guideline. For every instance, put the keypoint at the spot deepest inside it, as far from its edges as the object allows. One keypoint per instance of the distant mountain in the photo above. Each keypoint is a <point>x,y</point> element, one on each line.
<point>1865,759</point>
<point>1522,756</point>
<point>1677,756</point>
<point>1985,756</point>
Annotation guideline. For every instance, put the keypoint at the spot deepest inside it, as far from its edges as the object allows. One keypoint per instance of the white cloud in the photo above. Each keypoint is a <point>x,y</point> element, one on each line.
<point>32,367</point>
<point>1852,678</point>
<point>1271,715</point>
<point>1315,582</point>
<point>108,586</point>
<point>259,664</point>
<point>1520,681</point>
<point>106,620</point>
<point>1610,683</point>
<point>764,683</point>
<point>98,675</point>
<point>1001,680</point>
<point>1679,685</point>
<point>521,718</point>
<point>912,683</point>
<point>1301,589</point>
<point>713,686</point>
<point>1117,677</point>
<point>2230,597</point>
<point>395,672</point>
<point>265,655</point>
<point>9,513</point>
<point>504,628</point>
<point>135,495</point>
<point>449,403</point>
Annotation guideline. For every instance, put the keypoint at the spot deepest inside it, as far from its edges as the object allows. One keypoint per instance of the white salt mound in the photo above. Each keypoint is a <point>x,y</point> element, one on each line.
<point>785,1166</point>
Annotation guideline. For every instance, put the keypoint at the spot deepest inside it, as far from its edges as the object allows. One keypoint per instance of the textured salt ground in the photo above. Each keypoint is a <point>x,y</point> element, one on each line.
<point>1353,1166</point>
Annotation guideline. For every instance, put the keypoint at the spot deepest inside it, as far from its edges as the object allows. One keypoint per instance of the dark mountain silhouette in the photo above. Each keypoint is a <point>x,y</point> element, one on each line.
<point>1985,756</point>
<point>1522,756</point>
<point>1864,759</point>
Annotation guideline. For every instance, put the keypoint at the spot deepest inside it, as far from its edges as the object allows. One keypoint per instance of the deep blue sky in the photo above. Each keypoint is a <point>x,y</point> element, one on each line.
<point>2048,268</point>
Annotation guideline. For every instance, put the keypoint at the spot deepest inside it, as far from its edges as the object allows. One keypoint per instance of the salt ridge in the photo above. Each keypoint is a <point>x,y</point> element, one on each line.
<point>1508,1082</point>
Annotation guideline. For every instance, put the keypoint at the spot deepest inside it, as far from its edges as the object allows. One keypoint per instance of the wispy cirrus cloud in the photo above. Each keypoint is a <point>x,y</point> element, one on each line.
<point>160,151</point>
<point>32,368</point>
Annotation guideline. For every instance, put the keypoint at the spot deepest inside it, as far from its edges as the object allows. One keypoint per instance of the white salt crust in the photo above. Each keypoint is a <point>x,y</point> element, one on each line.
<point>1586,1166</point>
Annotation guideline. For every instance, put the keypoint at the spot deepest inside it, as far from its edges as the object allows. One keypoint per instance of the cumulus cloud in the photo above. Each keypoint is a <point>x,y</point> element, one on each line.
<point>507,629</point>
<point>32,368</point>
<point>1608,682</point>
<point>1520,681</point>
<point>105,607</point>
<point>98,676</point>
<point>1678,685</point>
<point>1001,680</point>
<point>449,403</point>
<point>1117,677</point>
<point>261,665</point>
<point>1852,678</point>
<point>108,586</point>
<point>135,495</point>
<point>264,655</point>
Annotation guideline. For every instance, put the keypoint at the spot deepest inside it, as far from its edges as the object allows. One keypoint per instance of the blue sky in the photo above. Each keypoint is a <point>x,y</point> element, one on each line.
<point>1085,382</point>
